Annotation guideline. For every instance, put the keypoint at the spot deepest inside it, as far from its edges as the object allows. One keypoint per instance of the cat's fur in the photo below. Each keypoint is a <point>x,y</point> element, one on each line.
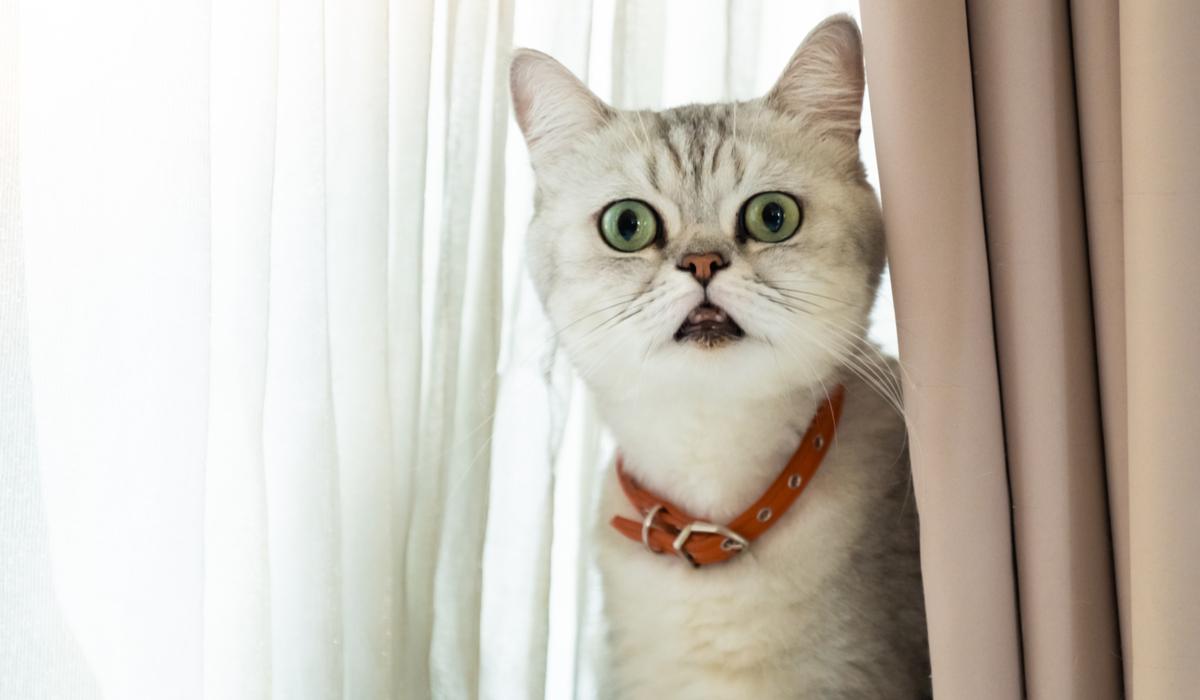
<point>828,603</point>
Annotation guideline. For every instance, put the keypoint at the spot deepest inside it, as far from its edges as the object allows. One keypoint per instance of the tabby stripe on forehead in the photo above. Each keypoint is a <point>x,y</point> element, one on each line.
<point>652,171</point>
<point>699,147</point>
<point>739,167</point>
<point>664,133</point>
<point>722,133</point>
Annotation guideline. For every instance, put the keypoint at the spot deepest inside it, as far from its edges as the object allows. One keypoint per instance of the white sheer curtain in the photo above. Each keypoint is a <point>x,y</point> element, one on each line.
<point>279,414</point>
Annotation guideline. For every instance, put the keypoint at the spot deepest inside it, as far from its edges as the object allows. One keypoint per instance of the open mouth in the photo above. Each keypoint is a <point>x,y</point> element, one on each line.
<point>708,325</point>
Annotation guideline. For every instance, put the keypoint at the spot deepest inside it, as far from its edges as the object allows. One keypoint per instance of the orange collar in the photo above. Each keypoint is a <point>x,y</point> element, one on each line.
<point>665,527</point>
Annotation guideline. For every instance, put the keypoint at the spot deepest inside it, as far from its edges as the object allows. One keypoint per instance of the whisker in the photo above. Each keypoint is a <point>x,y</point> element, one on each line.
<point>623,299</point>
<point>861,343</point>
<point>863,366</point>
<point>886,377</point>
<point>794,297</point>
<point>809,292</point>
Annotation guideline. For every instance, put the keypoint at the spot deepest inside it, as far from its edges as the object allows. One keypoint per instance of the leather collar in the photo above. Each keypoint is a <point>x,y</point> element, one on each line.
<point>666,528</point>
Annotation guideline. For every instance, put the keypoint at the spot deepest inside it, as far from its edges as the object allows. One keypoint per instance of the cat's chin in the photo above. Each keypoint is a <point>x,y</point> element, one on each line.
<point>709,326</point>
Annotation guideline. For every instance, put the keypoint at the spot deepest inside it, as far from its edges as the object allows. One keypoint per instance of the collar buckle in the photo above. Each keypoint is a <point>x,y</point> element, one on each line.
<point>647,523</point>
<point>733,541</point>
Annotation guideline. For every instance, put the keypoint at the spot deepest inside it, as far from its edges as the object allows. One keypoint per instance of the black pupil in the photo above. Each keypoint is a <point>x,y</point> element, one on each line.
<point>627,224</point>
<point>772,216</point>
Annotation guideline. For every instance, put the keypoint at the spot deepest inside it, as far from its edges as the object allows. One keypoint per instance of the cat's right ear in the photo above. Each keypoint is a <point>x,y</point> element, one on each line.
<point>823,82</point>
<point>552,106</point>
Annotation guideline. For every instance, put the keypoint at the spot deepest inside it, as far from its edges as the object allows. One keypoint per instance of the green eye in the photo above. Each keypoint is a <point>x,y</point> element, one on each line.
<point>771,217</point>
<point>629,225</point>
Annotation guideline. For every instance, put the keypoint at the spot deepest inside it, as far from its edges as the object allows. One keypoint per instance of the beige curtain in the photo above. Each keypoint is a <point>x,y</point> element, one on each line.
<point>1040,174</point>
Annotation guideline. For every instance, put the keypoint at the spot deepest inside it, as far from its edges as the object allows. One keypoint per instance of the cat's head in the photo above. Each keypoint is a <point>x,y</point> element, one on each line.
<point>728,247</point>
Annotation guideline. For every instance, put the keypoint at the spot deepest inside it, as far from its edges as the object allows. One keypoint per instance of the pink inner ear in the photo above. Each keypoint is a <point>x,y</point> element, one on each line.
<point>823,82</point>
<point>551,105</point>
<point>521,74</point>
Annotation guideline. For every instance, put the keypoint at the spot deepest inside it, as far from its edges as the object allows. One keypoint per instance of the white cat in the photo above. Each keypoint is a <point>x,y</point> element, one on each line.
<point>709,270</point>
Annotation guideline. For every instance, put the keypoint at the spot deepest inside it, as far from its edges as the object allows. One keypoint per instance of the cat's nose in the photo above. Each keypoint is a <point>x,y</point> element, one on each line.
<point>702,265</point>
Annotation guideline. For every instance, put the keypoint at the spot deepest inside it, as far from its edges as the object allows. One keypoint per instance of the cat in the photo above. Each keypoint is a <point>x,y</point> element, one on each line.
<point>709,270</point>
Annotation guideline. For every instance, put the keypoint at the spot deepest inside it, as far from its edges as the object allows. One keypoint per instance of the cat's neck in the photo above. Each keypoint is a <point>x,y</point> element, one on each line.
<point>713,455</point>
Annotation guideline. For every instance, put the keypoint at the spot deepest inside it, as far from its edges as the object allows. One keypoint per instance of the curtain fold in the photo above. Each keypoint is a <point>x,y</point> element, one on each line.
<point>301,458</point>
<point>1096,46</point>
<point>528,602</point>
<point>356,219</point>
<point>1037,260</point>
<point>919,70</point>
<point>1160,98</point>
<point>410,81</point>
<point>473,223</point>
<point>237,610</point>
<point>1084,193</point>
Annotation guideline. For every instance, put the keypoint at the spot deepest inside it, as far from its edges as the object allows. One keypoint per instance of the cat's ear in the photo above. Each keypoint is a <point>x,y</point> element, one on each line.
<point>823,83</point>
<point>552,106</point>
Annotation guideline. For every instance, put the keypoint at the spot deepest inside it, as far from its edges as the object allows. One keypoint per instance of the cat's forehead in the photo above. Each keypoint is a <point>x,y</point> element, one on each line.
<point>693,155</point>
<point>693,147</point>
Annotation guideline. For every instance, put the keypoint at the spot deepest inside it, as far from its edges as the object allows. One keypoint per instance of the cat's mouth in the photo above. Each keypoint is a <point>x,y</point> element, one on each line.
<point>709,326</point>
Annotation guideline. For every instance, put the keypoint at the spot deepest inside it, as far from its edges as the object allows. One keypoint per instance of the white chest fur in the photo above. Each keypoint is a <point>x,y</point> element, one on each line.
<point>769,623</point>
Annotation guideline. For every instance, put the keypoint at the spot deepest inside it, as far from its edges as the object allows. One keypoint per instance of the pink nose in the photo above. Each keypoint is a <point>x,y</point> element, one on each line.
<point>702,265</point>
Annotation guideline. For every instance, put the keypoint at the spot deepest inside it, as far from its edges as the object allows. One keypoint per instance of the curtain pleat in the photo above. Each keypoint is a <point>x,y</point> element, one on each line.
<point>299,437</point>
<point>1160,98</point>
<point>1096,46</point>
<point>1037,260</point>
<point>410,75</point>
<point>637,49</point>
<point>447,525</point>
<point>467,470</point>
<point>742,26</point>
<point>356,109</point>
<point>522,650</point>
<point>918,66</point>
<point>237,609</point>
<point>431,438</point>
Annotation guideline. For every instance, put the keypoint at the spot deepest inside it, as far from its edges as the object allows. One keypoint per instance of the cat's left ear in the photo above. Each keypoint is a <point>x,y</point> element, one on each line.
<point>823,83</point>
<point>553,107</point>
